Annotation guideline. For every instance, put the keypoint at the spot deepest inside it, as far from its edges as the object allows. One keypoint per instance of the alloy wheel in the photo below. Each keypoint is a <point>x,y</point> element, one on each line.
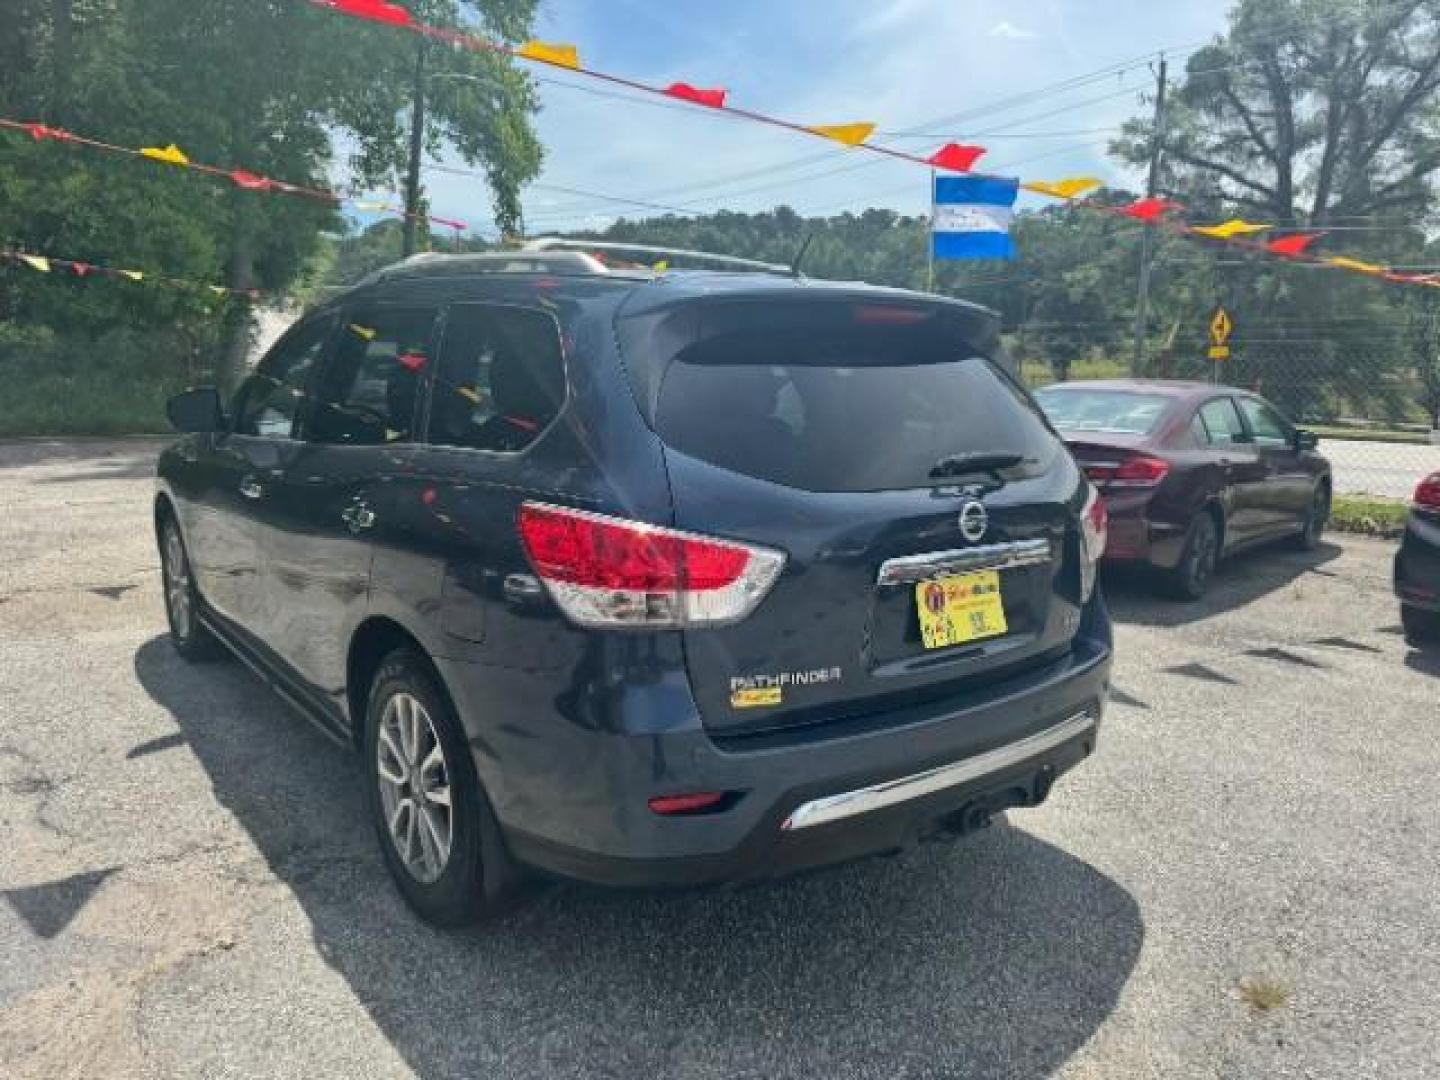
<point>177,583</point>
<point>414,784</point>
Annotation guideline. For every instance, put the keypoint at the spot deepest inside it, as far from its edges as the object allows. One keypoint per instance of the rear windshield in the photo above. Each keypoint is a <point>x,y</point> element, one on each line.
<point>1119,411</point>
<point>842,397</point>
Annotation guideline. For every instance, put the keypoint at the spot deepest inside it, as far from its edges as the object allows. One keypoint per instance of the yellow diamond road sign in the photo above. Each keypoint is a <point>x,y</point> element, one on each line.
<point>1220,328</point>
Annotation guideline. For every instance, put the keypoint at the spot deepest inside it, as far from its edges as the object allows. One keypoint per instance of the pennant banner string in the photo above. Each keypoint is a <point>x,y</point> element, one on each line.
<point>954,157</point>
<point>48,264</point>
<point>241,178</point>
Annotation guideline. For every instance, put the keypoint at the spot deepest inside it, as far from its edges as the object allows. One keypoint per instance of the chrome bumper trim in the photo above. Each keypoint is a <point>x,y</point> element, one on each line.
<point>862,801</point>
<point>913,568</point>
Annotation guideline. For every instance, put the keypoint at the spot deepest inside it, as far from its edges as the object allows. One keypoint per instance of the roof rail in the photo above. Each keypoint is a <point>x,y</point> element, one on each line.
<point>552,243</point>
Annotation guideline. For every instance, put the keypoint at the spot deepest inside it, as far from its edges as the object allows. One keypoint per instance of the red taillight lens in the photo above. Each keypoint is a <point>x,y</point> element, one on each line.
<point>606,571</point>
<point>1139,470</point>
<point>1427,494</point>
<point>692,803</point>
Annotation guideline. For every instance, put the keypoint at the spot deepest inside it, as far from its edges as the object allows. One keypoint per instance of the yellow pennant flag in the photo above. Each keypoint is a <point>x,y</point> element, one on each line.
<point>1068,188</point>
<point>1354,264</point>
<point>371,205</point>
<point>662,265</point>
<point>364,331</point>
<point>1233,227</point>
<point>133,275</point>
<point>36,262</point>
<point>171,154</point>
<point>550,53</point>
<point>849,134</point>
<point>218,290</point>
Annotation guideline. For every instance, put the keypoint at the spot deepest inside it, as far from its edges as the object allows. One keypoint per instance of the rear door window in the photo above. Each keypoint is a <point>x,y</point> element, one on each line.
<point>1222,423</point>
<point>501,378</point>
<point>830,396</point>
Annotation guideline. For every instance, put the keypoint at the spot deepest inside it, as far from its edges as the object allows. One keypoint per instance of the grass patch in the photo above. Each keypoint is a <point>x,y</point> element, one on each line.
<point>1368,515</point>
<point>1265,994</point>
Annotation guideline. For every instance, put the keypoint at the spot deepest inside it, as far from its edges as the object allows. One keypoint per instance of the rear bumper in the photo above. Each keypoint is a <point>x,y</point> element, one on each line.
<point>1137,537</point>
<point>804,798</point>
<point>1417,563</point>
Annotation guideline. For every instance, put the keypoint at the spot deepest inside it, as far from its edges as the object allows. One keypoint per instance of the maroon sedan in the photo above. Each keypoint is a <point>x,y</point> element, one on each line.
<point>1191,472</point>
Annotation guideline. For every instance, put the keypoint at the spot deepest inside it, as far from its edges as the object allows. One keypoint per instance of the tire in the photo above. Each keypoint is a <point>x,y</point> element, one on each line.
<point>1191,576</point>
<point>182,602</point>
<point>1316,518</point>
<point>1421,627</point>
<point>450,862</point>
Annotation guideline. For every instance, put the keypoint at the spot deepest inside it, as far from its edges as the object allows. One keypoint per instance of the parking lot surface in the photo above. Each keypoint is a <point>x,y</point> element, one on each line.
<point>1241,883</point>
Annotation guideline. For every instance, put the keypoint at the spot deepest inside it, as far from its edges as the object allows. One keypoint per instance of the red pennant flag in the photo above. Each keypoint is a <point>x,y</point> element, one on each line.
<point>411,361</point>
<point>375,10</point>
<point>458,226</point>
<point>251,181</point>
<point>700,95</point>
<point>81,268</point>
<point>958,156</point>
<point>1294,244</point>
<point>1150,208</point>
<point>42,131</point>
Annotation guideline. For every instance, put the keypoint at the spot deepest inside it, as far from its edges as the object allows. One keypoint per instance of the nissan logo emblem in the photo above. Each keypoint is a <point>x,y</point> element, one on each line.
<point>974,520</point>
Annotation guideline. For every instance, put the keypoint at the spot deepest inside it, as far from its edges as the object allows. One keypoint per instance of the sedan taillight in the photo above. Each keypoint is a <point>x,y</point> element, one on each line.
<point>1136,471</point>
<point>608,571</point>
<point>1427,494</point>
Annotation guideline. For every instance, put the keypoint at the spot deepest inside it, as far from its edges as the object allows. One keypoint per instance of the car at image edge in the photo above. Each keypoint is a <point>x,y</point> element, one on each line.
<point>645,578</point>
<point>1191,472</point>
<point>1417,565</point>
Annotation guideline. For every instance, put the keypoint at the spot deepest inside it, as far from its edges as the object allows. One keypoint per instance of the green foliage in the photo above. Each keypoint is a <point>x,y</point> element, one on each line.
<point>272,85</point>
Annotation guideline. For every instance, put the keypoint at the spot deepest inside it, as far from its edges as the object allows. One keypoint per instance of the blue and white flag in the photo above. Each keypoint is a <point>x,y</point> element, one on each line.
<point>972,217</point>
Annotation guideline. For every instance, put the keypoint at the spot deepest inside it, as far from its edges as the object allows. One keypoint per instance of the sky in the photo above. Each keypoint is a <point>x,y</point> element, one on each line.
<point>926,71</point>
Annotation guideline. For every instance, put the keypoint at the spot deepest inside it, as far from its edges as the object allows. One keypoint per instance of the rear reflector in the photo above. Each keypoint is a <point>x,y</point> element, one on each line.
<point>607,571</point>
<point>1427,494</point>
<point>1140,470</point>
<point>1094,534</point>
<point>670,805</point>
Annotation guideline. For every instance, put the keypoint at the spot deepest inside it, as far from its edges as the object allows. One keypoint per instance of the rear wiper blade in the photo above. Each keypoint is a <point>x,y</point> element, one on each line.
<point>963,464</point>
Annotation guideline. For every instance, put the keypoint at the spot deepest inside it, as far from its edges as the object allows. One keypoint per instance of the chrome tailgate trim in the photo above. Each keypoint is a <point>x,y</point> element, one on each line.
<point>863,800</point>
<point>915,568</point>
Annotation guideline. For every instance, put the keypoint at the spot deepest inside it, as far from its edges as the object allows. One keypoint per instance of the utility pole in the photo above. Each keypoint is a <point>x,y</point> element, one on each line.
<point>1147,239</point>
<point>417,147</point>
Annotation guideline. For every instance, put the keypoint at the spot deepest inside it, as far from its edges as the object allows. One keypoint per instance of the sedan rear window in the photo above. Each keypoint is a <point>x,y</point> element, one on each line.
<point>842,397</point>
<point>1120,411</point>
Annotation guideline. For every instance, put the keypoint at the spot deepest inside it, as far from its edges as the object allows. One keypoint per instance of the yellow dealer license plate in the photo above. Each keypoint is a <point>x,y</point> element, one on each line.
<point>954,610</point>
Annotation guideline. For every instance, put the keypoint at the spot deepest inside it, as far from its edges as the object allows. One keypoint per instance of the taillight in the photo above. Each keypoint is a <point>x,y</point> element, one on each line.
<point>1427,494</point>
<point>697,802</point>
<point>1140,470</point>
<point>1094,531</point>
<point>607,571</point>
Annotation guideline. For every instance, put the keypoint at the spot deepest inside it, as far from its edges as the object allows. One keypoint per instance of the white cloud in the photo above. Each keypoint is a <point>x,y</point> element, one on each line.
<point>1006,29</point>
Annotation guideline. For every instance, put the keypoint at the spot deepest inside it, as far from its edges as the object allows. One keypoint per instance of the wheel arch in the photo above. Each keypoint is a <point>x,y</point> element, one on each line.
<point>374,639</point>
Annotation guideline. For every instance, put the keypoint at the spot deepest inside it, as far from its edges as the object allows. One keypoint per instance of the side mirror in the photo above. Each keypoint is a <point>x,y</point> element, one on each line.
<point>1306,441</point>
<point>196,410</point>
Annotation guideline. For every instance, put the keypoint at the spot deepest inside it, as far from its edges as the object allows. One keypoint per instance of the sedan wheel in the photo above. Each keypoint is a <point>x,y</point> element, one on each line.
<point>1190,579</point>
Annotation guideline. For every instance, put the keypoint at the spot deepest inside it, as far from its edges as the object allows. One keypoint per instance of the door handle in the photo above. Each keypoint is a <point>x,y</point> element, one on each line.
<point>358,517</point>
<point>250,488</point>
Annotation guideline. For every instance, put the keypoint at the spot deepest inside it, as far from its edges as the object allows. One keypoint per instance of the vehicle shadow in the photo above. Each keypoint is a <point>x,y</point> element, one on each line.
<point>996,957</point>
<point>1133,595</point>
<point>1425,661</point>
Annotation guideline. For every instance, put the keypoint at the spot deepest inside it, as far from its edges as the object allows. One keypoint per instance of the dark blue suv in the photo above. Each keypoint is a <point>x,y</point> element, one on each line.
<point>645,577</point>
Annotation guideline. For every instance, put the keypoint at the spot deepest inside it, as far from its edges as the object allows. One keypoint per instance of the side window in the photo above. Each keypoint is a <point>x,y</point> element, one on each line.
<point>1198,435</point>
<point>269,401</point>
<point>1265,423</point>
<point>368,390</point>
<point>501,379</point>
<point>1222,422</point>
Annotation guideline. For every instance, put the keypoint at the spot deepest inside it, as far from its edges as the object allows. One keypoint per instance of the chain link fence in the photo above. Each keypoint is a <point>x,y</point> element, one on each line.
<point>1369,389</point>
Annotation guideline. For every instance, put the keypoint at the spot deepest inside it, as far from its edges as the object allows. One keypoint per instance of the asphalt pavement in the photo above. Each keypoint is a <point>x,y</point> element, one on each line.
<point>1241,883</point>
